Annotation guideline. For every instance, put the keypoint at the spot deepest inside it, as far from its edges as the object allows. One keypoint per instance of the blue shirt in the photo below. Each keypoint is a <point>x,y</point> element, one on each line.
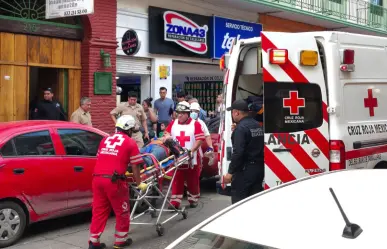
<point>163,108</point>
<point>202,114</point>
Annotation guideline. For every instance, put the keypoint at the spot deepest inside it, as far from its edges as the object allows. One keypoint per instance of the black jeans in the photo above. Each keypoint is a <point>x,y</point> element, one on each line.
<point>247,182</point>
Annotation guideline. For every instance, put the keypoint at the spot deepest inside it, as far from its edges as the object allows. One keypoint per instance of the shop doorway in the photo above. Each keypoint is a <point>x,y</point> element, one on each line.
<point>41,78</point>
<point>129,84</point>
<point>40,62</point>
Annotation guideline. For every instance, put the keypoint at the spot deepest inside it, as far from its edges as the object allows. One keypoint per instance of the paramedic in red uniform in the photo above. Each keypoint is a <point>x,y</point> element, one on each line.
<point>190,135</point>
<point>110,190</point>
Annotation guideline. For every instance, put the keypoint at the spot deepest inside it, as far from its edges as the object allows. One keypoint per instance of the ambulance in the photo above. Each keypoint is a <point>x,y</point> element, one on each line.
<point>324,97</point>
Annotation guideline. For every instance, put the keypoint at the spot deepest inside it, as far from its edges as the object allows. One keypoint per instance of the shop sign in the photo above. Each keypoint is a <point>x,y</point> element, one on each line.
<point>179,33</point>
<point>185,32</point>
<point>63,8</point>
<point>226,30</point>
<point>130,43</point>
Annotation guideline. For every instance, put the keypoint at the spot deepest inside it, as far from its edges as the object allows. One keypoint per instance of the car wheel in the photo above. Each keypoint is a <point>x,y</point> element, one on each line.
<point>13,222</point>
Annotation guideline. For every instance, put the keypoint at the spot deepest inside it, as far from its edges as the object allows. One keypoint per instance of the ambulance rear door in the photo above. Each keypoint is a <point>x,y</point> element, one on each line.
<point>295,102</point>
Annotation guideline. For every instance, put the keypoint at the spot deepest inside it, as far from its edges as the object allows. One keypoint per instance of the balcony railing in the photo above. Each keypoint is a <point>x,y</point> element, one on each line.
<point>355,13</point>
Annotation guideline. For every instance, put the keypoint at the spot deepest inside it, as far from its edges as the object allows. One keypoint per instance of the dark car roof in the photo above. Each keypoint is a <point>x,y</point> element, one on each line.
<point>14,126</point>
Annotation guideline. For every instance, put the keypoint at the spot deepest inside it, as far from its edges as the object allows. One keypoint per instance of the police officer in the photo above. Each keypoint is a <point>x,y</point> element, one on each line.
<point>246,170</point>
<point>137,112</point>
<point>49,109</point>
<point>110,190</point>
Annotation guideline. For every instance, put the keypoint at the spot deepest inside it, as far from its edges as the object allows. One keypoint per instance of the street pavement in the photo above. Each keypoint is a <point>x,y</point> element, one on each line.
<point>72,232</point>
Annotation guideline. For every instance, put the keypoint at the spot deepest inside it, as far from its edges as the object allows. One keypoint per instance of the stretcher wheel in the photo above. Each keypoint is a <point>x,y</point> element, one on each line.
<point>185,214</point>
<point>160,229</point>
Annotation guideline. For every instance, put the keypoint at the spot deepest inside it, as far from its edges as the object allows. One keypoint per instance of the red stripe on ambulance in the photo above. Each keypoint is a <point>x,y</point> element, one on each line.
<point>321,142</point>
<point>298,152</point>
<point>267,77</point>
<point>365,152</point>
<point>293,72</point>
<point>277,166</point>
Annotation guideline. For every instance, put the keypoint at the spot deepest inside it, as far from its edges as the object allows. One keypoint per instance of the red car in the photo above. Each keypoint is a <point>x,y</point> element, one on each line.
<point>46,171</point>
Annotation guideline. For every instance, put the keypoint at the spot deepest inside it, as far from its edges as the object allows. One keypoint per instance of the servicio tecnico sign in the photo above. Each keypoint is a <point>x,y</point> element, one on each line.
<point>226,30</point>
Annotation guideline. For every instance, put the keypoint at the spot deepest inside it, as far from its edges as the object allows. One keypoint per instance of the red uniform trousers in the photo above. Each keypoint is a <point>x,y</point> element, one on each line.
<point>192,177</point>
<point>107,195</point>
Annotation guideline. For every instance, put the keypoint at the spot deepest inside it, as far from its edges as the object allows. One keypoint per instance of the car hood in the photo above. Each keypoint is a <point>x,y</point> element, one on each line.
<point>303,214</point>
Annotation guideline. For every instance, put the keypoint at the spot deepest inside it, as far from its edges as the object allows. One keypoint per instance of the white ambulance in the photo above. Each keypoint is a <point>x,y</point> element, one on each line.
<point>325,101</point>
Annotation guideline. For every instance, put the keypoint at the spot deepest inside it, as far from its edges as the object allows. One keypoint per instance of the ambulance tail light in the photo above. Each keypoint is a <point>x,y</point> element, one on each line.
<point>223,62</point>
<point>348,64</point>
<point>337,155</point>
<point>278,56</point>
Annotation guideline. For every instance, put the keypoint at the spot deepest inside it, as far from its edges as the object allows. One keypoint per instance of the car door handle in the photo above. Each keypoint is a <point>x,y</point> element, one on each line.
<point>78,168</point>
<point>281,150</point>
<point>18,171</point>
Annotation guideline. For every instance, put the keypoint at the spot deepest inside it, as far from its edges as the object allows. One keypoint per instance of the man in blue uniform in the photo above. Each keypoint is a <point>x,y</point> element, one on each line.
<point>246,170</point>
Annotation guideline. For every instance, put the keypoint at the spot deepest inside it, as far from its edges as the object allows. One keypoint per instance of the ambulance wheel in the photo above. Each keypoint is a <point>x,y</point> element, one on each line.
<point>381,165</point>
<point>160,229</point>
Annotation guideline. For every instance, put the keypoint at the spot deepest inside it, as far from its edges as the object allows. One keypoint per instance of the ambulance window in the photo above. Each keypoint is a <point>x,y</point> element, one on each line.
<point>292,107</point>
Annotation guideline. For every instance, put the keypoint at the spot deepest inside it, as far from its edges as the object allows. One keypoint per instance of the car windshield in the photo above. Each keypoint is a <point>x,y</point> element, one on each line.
<point>205,240</point>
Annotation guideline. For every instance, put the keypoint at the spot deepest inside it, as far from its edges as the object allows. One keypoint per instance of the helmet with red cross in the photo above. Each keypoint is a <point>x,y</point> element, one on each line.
<point>125,122</point>
<point>183,107</point>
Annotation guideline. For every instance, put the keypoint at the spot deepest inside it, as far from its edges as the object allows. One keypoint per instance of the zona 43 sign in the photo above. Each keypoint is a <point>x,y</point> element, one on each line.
<point>185,32</point>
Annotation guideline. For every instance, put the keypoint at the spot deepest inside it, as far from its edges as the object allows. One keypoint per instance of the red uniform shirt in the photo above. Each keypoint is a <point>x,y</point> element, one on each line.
<point>115,153</point>
<point>187,134</point>
<point>198,131</point>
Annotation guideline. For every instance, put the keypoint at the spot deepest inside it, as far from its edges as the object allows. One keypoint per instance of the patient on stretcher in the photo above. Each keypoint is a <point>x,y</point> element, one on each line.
<point>160,151</point>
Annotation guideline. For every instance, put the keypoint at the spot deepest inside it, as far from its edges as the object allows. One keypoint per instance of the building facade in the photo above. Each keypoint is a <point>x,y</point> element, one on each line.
<point>149,56</point>
<point>64,54</point>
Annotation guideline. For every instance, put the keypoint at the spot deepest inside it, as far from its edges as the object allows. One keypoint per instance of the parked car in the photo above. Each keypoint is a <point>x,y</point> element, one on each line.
<point>302,214</point>
<point>45,172</point>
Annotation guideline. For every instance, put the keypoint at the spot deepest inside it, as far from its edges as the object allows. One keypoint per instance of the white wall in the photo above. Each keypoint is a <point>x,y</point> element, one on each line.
<point>157,82</point>
<point>145,87</point>
<point>133,14</point>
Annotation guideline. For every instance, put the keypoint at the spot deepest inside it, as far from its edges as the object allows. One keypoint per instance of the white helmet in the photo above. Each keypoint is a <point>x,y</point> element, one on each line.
<point>125,122</point>
<point>195,106</point>
<point>183,107</point>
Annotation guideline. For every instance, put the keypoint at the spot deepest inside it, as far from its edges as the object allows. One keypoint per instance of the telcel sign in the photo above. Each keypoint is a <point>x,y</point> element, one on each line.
<point>226,30</point>
<point>185,32</point>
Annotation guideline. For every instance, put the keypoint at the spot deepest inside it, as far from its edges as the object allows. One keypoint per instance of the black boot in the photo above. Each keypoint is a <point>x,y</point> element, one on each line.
<point>193,205</point>
<point>127,243</point>
<point>100,246</point>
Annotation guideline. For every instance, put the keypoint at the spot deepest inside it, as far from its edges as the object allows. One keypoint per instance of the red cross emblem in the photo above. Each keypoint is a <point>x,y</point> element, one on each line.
<point>113,141</point>
<point>183,138</point>
<point>371,103</point>
<point>294,103</point>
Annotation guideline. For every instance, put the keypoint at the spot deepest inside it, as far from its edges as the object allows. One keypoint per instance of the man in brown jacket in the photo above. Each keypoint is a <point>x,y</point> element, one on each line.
<point>82,114</point>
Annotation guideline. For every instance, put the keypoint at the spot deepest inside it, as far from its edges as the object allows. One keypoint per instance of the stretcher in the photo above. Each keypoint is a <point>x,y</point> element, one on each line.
<point>153,176</point>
